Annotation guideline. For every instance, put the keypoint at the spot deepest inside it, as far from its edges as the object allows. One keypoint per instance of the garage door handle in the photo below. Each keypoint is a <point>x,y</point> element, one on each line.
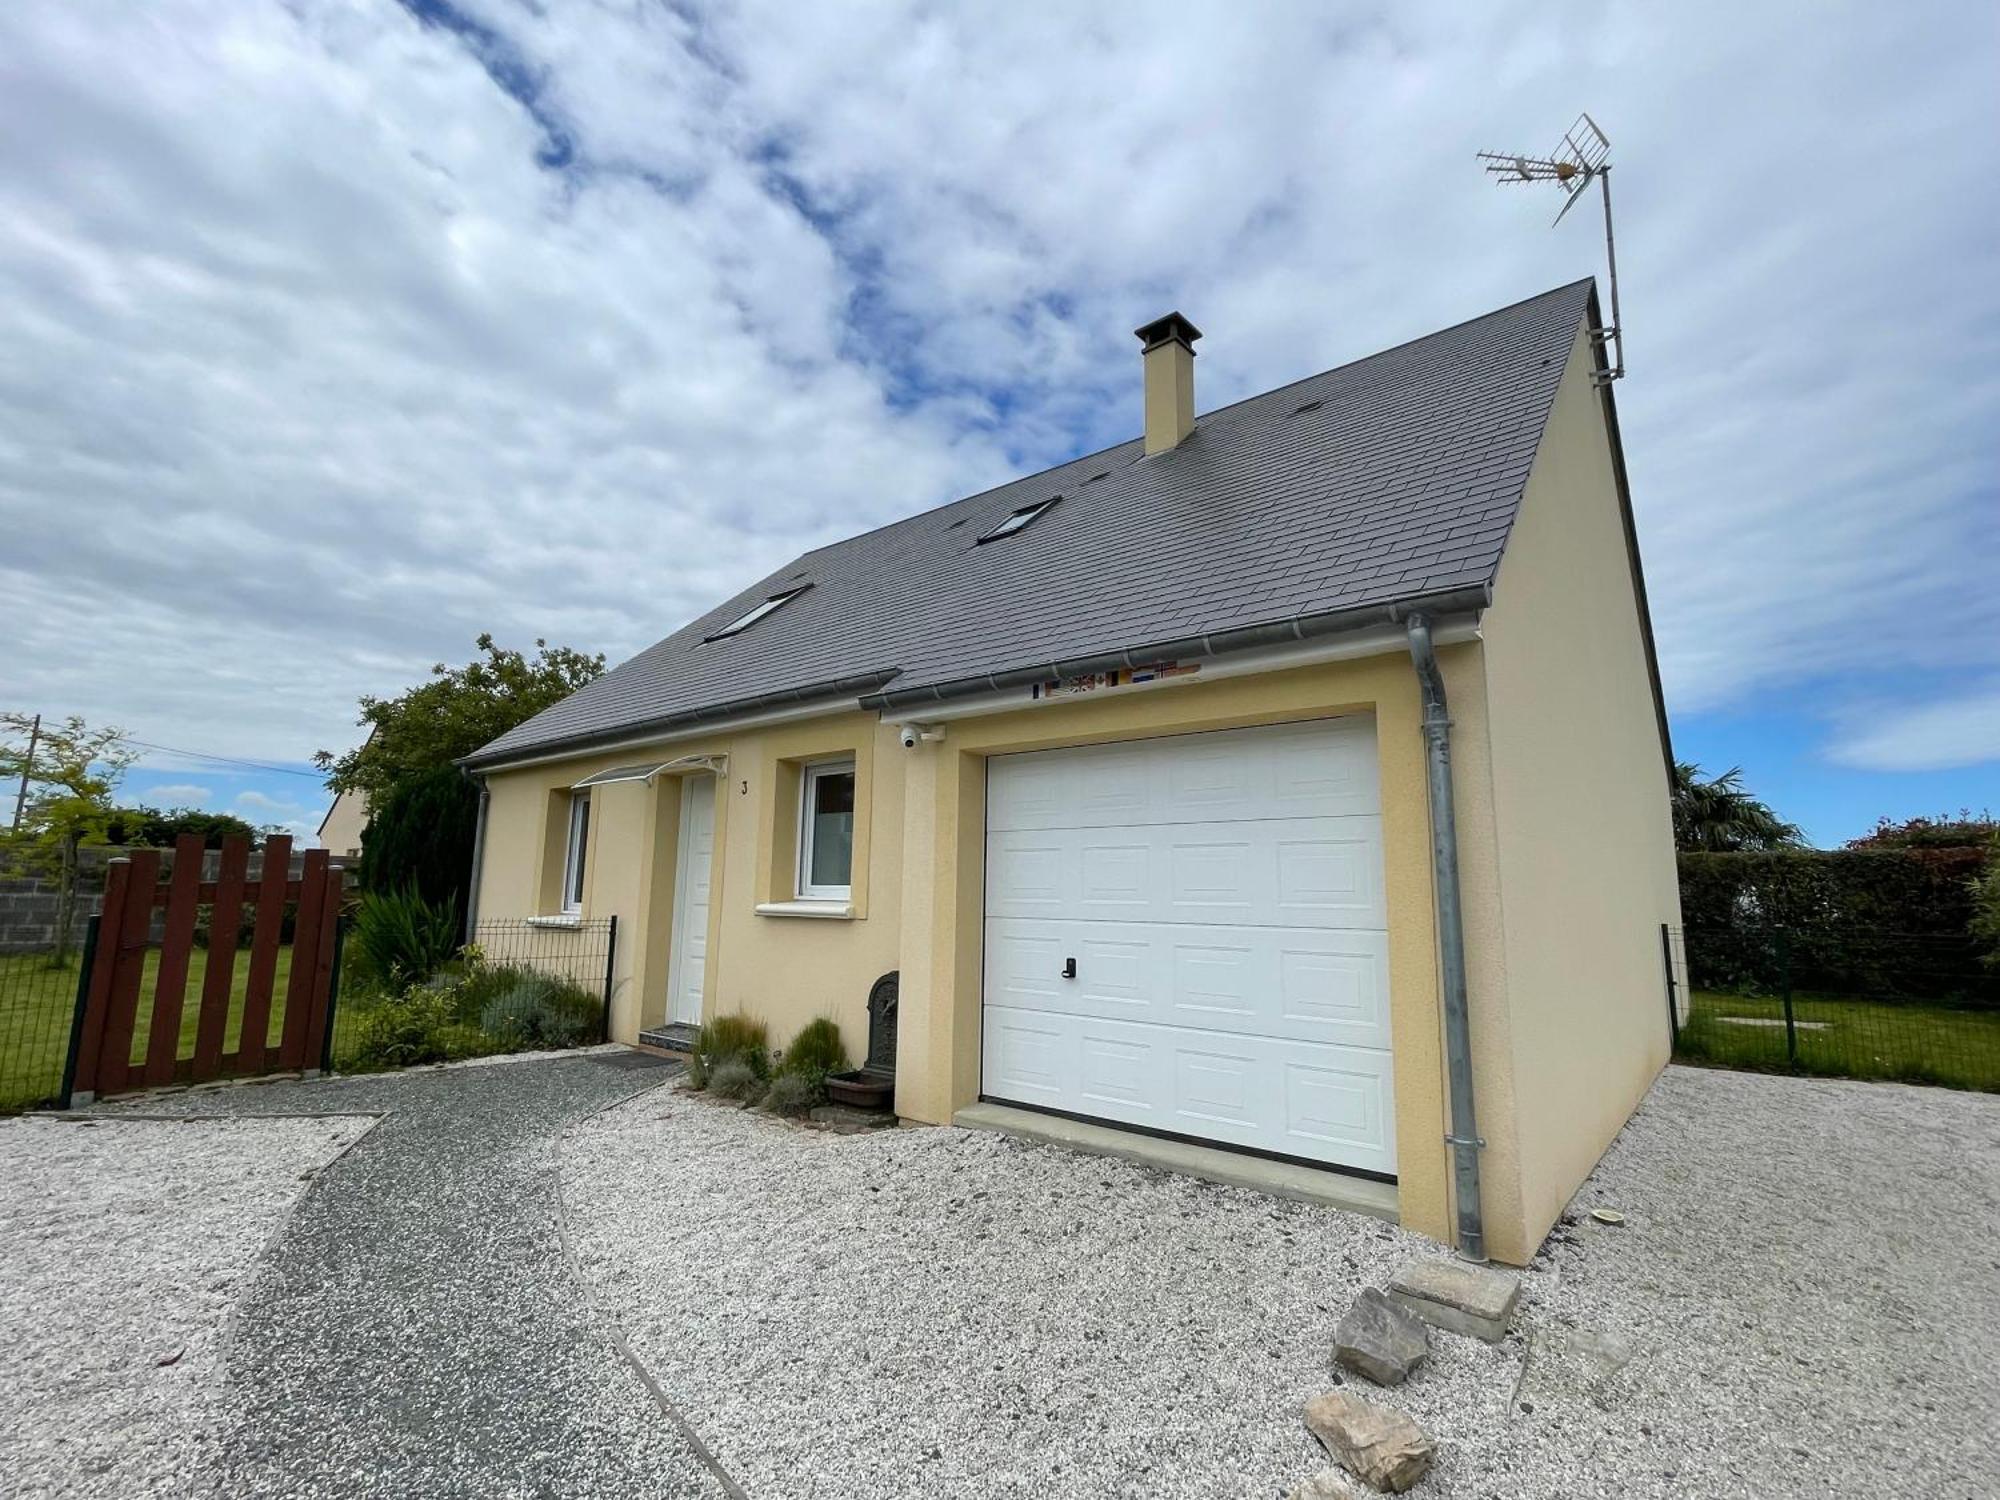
<point>1069,968</point>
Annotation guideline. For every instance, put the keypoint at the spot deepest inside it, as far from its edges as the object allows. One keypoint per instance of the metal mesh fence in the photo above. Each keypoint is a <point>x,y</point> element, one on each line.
<point>38,1011</point>
<point>1837,1003</point>
<point>579,953</point>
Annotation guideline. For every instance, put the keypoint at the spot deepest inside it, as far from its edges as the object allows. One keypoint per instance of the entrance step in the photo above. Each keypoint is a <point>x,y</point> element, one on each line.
<point>675,1036</point>
<point>1281,1179</point>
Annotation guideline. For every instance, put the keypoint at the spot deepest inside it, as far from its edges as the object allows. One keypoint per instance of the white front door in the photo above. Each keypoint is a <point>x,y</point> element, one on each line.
<point>1189,935</point>
<point>687,964</point>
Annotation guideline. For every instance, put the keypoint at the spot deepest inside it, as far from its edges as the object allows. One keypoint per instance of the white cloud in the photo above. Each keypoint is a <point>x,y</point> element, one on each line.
<point>1924,736</point>
<point>311,367</point>
<point>178,794</point>
<point>255,801</point>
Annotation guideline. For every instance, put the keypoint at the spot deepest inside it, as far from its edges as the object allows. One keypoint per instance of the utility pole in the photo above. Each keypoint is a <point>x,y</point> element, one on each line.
<point>27,767</point>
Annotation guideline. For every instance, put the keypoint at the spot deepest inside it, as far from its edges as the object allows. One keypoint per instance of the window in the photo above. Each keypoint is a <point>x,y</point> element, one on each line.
<point>757,612</point>
<point>579,843</point>
<point>826,832</point>
<point>1019,519</point>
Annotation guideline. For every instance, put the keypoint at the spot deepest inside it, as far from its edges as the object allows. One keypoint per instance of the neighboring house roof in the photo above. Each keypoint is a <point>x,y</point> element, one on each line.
<point>1384,482</point>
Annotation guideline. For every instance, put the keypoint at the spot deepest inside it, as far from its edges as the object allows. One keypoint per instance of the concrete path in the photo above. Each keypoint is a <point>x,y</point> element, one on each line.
<point>416,1328</point>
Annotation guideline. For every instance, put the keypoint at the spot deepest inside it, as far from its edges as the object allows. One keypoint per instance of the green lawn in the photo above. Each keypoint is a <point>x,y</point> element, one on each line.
<point>1846,1036</point>
<point>36,1004</point>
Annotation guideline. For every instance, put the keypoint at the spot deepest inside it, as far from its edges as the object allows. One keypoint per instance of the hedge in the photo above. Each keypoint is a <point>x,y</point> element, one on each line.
<point>1891,922</point>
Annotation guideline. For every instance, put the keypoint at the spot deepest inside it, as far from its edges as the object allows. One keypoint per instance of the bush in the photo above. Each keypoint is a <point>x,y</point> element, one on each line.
<point>815,1052</point>
<point>400,938</point>
<point>408,1030</point>
<point>734,1078</point>
<point>539,1012</point>
<point>419,836</point>
<point>793,1095</point>
<point>735,1038</point>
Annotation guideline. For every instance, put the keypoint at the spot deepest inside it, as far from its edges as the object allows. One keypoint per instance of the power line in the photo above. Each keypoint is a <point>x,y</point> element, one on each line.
<point>227,760</point>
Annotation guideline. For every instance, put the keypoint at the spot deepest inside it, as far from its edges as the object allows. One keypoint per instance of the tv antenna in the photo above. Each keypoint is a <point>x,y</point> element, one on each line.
<point>1583,157</point>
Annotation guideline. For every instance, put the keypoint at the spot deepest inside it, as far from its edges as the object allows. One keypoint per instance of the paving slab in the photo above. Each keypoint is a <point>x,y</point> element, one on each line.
<point>1458,1297</point>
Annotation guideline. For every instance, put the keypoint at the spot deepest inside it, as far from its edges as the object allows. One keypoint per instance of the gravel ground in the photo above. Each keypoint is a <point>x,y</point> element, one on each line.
<point>124,1246</point>
<point>418,1328</point>
<point>1804,1291</point>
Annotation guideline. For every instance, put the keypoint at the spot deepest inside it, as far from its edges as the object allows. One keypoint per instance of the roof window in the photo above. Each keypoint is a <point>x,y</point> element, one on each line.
<point>1020,519</point>
<point>757,612</point>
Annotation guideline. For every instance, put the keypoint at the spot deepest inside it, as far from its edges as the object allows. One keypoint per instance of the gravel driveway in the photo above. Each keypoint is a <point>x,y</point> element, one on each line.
<point>124,1246</point>
<point>418,1329</point>
<point>1804,1297</point>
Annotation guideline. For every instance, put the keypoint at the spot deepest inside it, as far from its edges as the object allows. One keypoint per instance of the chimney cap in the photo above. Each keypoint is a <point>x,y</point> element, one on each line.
<point>1173,328</point>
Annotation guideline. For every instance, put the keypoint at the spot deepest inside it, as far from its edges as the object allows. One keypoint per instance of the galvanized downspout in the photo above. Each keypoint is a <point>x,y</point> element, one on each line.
<point>478,863</point>
<point>1463,1135</point>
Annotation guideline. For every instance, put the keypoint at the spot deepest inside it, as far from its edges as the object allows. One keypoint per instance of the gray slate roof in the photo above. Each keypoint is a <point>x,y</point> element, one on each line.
<point>1382,482</point>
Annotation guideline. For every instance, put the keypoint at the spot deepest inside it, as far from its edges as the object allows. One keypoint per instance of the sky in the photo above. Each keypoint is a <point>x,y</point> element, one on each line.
<point>335,333</point>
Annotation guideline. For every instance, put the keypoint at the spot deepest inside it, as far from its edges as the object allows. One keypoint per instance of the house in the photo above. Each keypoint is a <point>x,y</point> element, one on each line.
<point>340,830</point>
<point>1288,780</point>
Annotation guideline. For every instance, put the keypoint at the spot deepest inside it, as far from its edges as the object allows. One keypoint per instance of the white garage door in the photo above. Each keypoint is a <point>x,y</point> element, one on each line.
<point>1188,935</point>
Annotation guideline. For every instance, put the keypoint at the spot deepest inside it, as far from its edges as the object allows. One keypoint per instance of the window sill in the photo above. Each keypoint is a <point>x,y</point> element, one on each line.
<point>835,911</point>
<point>570,920</point>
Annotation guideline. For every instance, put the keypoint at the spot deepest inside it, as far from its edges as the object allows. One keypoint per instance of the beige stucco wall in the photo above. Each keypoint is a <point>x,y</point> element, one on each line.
<point>784,970</point>
<point>1582,832</point>
<point>340,830</point>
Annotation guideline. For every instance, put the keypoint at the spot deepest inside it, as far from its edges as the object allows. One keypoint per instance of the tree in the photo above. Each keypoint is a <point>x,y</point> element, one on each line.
<point>1717,816</point>
<point>419,837</point>
<point>71,776</point>
<point>1968,829</point>
<point>149,828</point>
<point>454,713</point>
<point>1985,889</point>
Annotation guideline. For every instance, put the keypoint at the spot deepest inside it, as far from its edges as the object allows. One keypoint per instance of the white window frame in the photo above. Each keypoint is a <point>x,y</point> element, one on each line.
<point>576,850</point>
<point>809,781</point>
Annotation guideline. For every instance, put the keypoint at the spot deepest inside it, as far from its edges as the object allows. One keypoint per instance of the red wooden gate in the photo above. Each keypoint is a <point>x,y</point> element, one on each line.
<point>133,889</point>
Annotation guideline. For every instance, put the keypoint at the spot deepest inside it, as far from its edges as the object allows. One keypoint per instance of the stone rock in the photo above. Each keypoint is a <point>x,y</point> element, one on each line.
<point>1458,1297</point>
<point>1380,1445</point>
<point>1378,1339</point>
<point>1330,1484</point>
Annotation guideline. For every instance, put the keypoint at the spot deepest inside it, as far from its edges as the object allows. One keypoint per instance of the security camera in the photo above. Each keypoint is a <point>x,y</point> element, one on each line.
<point>910,734</point>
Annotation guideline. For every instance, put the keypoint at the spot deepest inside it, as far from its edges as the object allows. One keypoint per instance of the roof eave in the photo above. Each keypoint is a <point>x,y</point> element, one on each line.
<point>631,731</point>
<point>1293,629</point>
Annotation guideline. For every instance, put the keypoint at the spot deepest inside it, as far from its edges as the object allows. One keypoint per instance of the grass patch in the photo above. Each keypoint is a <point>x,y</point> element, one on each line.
<point>37,1002</point>
<point>1847,1036</point>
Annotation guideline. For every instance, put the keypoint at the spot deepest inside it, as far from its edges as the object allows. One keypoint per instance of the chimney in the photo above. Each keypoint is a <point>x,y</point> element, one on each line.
<point>1169,357</point>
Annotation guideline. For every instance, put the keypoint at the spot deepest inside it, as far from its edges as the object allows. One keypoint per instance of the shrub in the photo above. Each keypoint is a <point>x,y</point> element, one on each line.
<point>408,1029</point>
<point>815,1052</point>
<point>539,1012</point>
<point>793,1095</point>
<point>735,1038</point>
<point>734,1078</point>
<point>419,836</point>
<point>401,938</point>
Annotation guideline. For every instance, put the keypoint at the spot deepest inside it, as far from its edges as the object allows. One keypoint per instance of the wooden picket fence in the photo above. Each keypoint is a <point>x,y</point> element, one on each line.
<point>133,890</point>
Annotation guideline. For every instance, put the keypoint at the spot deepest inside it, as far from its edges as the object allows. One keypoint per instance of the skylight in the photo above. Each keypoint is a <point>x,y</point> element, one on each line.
<point>757,612</point>
<point>1020,519</point>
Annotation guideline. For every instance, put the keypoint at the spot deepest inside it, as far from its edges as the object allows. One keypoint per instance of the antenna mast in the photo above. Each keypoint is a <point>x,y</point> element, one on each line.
<point>1583,157</point>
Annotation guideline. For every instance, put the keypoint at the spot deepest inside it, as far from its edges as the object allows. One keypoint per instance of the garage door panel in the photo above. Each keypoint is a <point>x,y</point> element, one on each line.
<point>1324,768</point>
<point>1327,985</point>
<point>1311,872</point>
<point>1221,897</point>
<point>1314,1101</point>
